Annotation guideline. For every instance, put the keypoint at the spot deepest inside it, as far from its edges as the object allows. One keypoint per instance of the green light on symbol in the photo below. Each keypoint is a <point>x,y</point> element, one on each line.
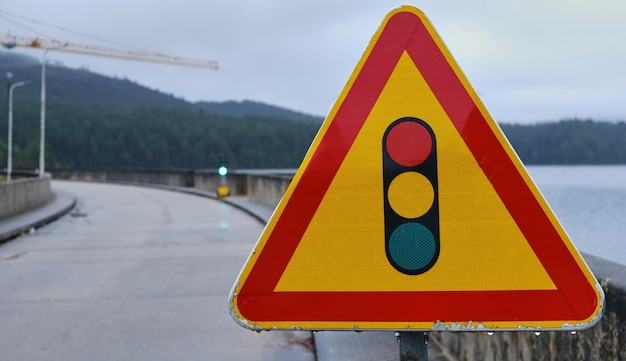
<point>412,246</point>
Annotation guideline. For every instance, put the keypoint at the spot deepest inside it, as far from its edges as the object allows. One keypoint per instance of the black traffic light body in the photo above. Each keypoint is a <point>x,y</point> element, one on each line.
<point>222,168</point>
<point>411,234</point>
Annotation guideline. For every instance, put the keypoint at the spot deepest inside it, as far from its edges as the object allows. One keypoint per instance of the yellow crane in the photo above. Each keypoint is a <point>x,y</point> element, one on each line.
<point>10,41</point>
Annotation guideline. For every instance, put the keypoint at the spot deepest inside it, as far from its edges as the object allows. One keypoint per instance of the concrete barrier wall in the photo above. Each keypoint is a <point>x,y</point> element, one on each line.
<point>267,190</point>
<point>165,177</point>
<point>23,194</point>
<point>200,179</point>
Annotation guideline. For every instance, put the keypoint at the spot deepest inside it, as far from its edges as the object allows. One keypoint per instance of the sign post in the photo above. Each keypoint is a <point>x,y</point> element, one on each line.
<point>413,346</point>
<point>412,212</point>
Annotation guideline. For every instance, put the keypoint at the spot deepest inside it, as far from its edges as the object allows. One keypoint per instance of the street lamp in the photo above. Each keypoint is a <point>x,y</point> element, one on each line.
<point>42,132</point>
<point>10,140</point>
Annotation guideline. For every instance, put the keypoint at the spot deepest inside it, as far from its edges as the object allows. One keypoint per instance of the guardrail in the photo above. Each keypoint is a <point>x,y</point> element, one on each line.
<point>604,341</point>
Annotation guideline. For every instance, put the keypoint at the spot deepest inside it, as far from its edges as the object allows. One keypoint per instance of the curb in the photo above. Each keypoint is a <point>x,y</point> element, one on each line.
<point>242,205</point>
<point>13,227</point>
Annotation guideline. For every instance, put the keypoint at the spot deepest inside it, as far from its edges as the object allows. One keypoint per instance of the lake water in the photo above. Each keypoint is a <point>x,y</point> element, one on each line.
<point>590,202</point>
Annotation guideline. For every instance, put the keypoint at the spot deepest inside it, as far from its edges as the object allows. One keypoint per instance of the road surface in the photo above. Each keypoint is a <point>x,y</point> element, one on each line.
<point>136,274</point>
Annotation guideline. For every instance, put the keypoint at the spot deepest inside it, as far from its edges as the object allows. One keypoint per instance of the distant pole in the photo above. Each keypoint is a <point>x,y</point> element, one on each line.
<point>10,140</point>
<point>42,131</point>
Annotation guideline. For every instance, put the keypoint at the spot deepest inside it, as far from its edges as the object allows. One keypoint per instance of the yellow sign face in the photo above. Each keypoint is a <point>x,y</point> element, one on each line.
<point>356,195</point>
<point>411,210</point>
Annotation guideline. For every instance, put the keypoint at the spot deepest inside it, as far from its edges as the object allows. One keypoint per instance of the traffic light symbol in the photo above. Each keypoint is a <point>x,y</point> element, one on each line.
<point>411,202</point>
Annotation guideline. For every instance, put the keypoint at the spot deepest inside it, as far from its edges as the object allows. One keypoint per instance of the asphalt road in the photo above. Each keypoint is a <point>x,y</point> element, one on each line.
<point>133,274</point>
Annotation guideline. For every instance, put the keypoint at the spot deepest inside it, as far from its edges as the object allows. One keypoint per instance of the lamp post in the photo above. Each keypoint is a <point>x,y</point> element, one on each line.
<point>42,132</point>
<point>10,140</point>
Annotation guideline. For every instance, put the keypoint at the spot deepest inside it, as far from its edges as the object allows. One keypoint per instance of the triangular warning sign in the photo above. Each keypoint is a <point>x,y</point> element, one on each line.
<point>411,210</point>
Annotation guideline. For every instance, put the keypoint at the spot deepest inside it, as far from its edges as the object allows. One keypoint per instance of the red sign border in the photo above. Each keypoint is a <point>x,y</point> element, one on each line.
<point>575,297</point>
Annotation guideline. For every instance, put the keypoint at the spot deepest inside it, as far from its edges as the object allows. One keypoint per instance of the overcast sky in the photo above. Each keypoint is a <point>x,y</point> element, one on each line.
<point>532,60</point>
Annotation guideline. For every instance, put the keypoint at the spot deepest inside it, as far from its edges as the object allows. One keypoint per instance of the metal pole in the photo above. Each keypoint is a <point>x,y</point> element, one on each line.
<point>413,346</point>
<point>42,132</point>
<point>10,140</point>
<point>10,137</point>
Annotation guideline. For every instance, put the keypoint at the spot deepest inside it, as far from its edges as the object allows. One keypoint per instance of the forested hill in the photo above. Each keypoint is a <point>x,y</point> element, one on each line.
<point>569,142</point>
<point>79,137</point>
<point>94,121</point>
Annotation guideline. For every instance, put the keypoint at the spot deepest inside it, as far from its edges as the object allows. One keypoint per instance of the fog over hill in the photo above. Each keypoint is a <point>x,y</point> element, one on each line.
<point>83,87</point>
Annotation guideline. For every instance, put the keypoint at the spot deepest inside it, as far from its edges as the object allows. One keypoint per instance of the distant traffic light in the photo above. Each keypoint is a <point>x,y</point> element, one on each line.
<point>411,202</point>
<point>222,168</point>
